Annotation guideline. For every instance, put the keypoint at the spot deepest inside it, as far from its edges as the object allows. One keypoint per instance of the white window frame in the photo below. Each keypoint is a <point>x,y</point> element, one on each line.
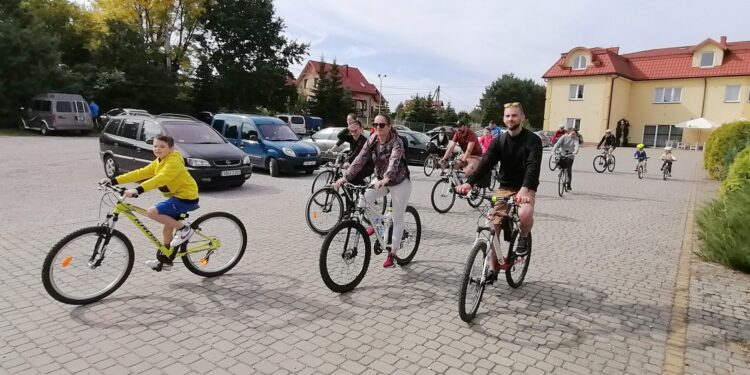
<point>736,98</point>
<point>580,62</point>
<point>573,122</point>
<point>575,92</point>
<point>713,59</point>
<point>667,95</point>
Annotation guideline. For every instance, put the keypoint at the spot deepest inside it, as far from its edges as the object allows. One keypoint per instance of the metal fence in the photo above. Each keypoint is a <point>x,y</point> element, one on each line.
<point>425,127</point>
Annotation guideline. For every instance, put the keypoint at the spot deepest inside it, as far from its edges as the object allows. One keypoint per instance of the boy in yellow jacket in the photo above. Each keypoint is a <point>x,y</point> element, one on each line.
<point>167,173</point>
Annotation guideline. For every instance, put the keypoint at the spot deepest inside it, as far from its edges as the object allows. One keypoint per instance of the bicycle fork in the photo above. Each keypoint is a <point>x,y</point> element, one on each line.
<point>100,248</point>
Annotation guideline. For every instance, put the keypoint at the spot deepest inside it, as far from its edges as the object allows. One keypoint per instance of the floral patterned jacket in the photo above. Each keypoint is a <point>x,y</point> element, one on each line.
<point>389,159</point>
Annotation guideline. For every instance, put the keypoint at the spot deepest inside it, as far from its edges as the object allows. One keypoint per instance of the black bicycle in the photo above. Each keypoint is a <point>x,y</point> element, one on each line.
<point>562,177</point>
<point>477,273</point>
<point>605,161</point>
<point>667,169</point>
<point>329,206</point>
<point>444,191</point>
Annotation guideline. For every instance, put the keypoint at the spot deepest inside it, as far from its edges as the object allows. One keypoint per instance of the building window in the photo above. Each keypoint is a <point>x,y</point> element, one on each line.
<point>573,123</point>
<point>575,92</point>
<point>304,83</point>
<point>732,94</point>
<point>707,59</point>
<point>667,95</point>
<point>579,62</point>
<point>660,135</point>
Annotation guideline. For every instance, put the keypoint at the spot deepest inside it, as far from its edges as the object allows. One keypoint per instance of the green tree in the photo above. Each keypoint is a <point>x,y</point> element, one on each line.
<point>329,99</point>
<point>508,89</point>
<point>420,109</point>
<point>245,45</point>
<point>447,116</point>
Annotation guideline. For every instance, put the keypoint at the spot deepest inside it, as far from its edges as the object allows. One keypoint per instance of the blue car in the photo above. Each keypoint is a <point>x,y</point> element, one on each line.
<point>269,142</point>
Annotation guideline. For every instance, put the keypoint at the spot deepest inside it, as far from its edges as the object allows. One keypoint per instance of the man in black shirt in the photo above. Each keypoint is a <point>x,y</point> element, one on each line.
<point>609,141</point>
<point>353,135</point>
<point>519,152</point>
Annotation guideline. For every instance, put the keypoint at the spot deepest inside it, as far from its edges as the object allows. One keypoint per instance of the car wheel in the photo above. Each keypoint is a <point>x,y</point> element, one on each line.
<point>44,129</point>
<point>309,172</point>
<point>110,167</point>
<point>273,167</point>
<point>21,124</point>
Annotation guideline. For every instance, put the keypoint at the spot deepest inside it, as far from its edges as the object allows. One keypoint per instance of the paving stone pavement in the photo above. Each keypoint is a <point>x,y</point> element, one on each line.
<point>597,298</point>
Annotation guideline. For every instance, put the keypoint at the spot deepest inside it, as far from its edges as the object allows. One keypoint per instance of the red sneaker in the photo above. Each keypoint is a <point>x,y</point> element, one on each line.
<point>370,231</point>
<point>389,261</point>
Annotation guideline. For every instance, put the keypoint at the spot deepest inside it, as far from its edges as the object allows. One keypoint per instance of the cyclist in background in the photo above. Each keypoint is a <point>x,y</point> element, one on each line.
<point>568,147</point>
<point>469,143</point>
<point>494,129</point>
<point>668,158</point>
<point>640,154</point>
<point>609,141</point>
<point>558,133</point>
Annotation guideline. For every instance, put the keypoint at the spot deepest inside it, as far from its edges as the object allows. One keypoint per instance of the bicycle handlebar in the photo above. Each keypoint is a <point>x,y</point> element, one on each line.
<point>117,189</point>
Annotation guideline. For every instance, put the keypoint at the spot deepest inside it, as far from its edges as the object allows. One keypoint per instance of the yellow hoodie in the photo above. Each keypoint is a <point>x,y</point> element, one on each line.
<point>168,174</point>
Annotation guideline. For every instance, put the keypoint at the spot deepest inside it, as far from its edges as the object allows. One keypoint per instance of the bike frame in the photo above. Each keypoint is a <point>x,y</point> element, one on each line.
<point>486,233</point>
<point>130,211</point>
<point>368,212</point>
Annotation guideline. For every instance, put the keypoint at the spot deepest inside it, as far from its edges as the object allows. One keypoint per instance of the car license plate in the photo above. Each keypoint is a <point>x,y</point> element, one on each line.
<point>311,162</point>
<point>233,172</point>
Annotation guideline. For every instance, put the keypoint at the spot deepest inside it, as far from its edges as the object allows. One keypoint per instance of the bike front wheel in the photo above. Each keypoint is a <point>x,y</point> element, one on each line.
<point>600,164</point>
<point>443,196</point>
<point>321,180</point>
<point>211,229</point>
<point>344,256</point>
<point>475,196</point>
<point>611,164</point>
<point>552,162</point>
<point>411,237</point>
<point>87,265</point>
<point>324,210</point>
<point>515,271</point>
<point>561,182</point>
<point>429,165</point>
<point>473,282</point>
<point>640,172</point>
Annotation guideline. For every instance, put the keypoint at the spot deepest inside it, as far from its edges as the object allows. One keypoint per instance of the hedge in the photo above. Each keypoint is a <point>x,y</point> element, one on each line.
<point>723,233</point>
<point>723,145</point>
<point>739,172</point>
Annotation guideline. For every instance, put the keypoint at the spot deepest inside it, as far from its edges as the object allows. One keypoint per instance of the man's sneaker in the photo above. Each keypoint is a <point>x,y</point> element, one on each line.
<point>156,265</point>
<point>522,246</point>
<point>181,235</point>
<point>389,261</point>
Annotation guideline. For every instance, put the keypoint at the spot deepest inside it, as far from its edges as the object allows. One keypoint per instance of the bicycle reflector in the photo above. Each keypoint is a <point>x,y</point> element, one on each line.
<point>66,261</point>
<point>204,262</point>
<point>494,199</point>
<point>314,214</point>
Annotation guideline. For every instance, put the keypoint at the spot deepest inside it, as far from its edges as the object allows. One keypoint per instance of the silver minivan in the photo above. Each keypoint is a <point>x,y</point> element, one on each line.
<point>56,112</point>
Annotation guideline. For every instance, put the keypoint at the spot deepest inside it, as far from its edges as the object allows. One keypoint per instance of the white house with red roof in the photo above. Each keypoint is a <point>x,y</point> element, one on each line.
<point>365,95</point>
<point>595,88</point>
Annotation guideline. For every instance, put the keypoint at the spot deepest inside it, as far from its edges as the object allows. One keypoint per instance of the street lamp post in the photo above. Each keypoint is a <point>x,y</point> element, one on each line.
<point>380,91</point>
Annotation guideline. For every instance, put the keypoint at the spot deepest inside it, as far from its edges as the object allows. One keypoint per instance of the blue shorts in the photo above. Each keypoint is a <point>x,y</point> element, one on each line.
<point>174,207</point>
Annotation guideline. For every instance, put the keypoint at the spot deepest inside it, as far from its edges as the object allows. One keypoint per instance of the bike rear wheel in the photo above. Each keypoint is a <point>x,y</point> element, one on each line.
<point>321,180</point>
<point>411,237</point>
<point>515,271</point>
<point>665,173</point>
<point>600,164</point>
<point>611,165</point>
<point>74,271</point>
<point>215,226</point>
<point>640,172</point>
<point>344,256</point>
<point>475,196</point>
<point>473,282</point>
<point>443,196</point>
<point>429,165</point>
<point>324,210</point>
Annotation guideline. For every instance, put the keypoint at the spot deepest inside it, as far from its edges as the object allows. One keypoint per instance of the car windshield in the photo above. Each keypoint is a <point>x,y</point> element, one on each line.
<point>276,132</point>
<point>192,133</point>
<point>421,138</point>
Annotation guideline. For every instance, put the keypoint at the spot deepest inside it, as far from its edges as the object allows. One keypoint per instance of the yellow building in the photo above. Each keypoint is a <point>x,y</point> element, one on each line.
<point>595,88</point>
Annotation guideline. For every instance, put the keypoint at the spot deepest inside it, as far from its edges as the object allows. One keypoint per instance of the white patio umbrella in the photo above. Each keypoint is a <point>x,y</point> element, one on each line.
<point>698,123</point>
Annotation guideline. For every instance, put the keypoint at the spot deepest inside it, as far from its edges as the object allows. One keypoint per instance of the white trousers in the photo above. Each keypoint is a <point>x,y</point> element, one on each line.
<point>400,197</point>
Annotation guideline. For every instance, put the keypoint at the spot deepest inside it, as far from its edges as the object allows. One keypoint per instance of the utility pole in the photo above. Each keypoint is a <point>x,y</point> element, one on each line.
<point>380,91</point>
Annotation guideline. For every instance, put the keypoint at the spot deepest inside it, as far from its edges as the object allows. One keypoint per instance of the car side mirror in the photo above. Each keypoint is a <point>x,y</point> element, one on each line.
<point>22,108</point>
<point>252,138</point>
<point>150,141</point>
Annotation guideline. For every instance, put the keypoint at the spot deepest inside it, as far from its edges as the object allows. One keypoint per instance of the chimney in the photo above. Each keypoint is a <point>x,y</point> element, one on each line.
<point>723,40</point>
<point>346,70</point>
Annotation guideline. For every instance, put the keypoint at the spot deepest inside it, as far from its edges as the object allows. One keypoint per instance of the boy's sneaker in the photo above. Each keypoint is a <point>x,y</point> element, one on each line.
<point>522,246</point>
<point>389,261</point>
<point>156,265</point>
<point>181,235</point>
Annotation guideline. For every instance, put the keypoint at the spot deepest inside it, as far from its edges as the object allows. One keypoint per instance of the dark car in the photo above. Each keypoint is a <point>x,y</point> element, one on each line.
<point>126,144</point>
<point>269,142</point>
<point>326,140</point>
<point>448,130</point>
<point>416,150</point>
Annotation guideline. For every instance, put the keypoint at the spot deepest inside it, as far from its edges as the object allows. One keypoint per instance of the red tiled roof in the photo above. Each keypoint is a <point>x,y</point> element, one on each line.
<point>352,78</point>
<point>664,63</point>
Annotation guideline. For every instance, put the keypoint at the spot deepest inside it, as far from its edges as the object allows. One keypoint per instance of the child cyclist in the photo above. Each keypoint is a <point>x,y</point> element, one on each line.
<point>167,173</point>
<point>640,154</point>
<point>668,158</point>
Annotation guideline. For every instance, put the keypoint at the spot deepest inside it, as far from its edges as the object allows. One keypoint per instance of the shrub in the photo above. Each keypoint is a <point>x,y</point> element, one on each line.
<point>723,233</point>
<point>723,145</point>
<point>739,172</point>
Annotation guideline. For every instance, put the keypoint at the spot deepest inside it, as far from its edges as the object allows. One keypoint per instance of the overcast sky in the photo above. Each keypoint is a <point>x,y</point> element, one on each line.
<point>465,45</point>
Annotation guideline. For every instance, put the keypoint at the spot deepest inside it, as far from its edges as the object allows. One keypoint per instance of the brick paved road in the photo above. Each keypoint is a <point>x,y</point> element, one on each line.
<point>597,298</point>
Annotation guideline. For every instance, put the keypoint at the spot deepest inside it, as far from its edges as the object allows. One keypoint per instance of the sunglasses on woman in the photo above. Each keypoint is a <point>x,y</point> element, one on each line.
<point>380,125</point>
